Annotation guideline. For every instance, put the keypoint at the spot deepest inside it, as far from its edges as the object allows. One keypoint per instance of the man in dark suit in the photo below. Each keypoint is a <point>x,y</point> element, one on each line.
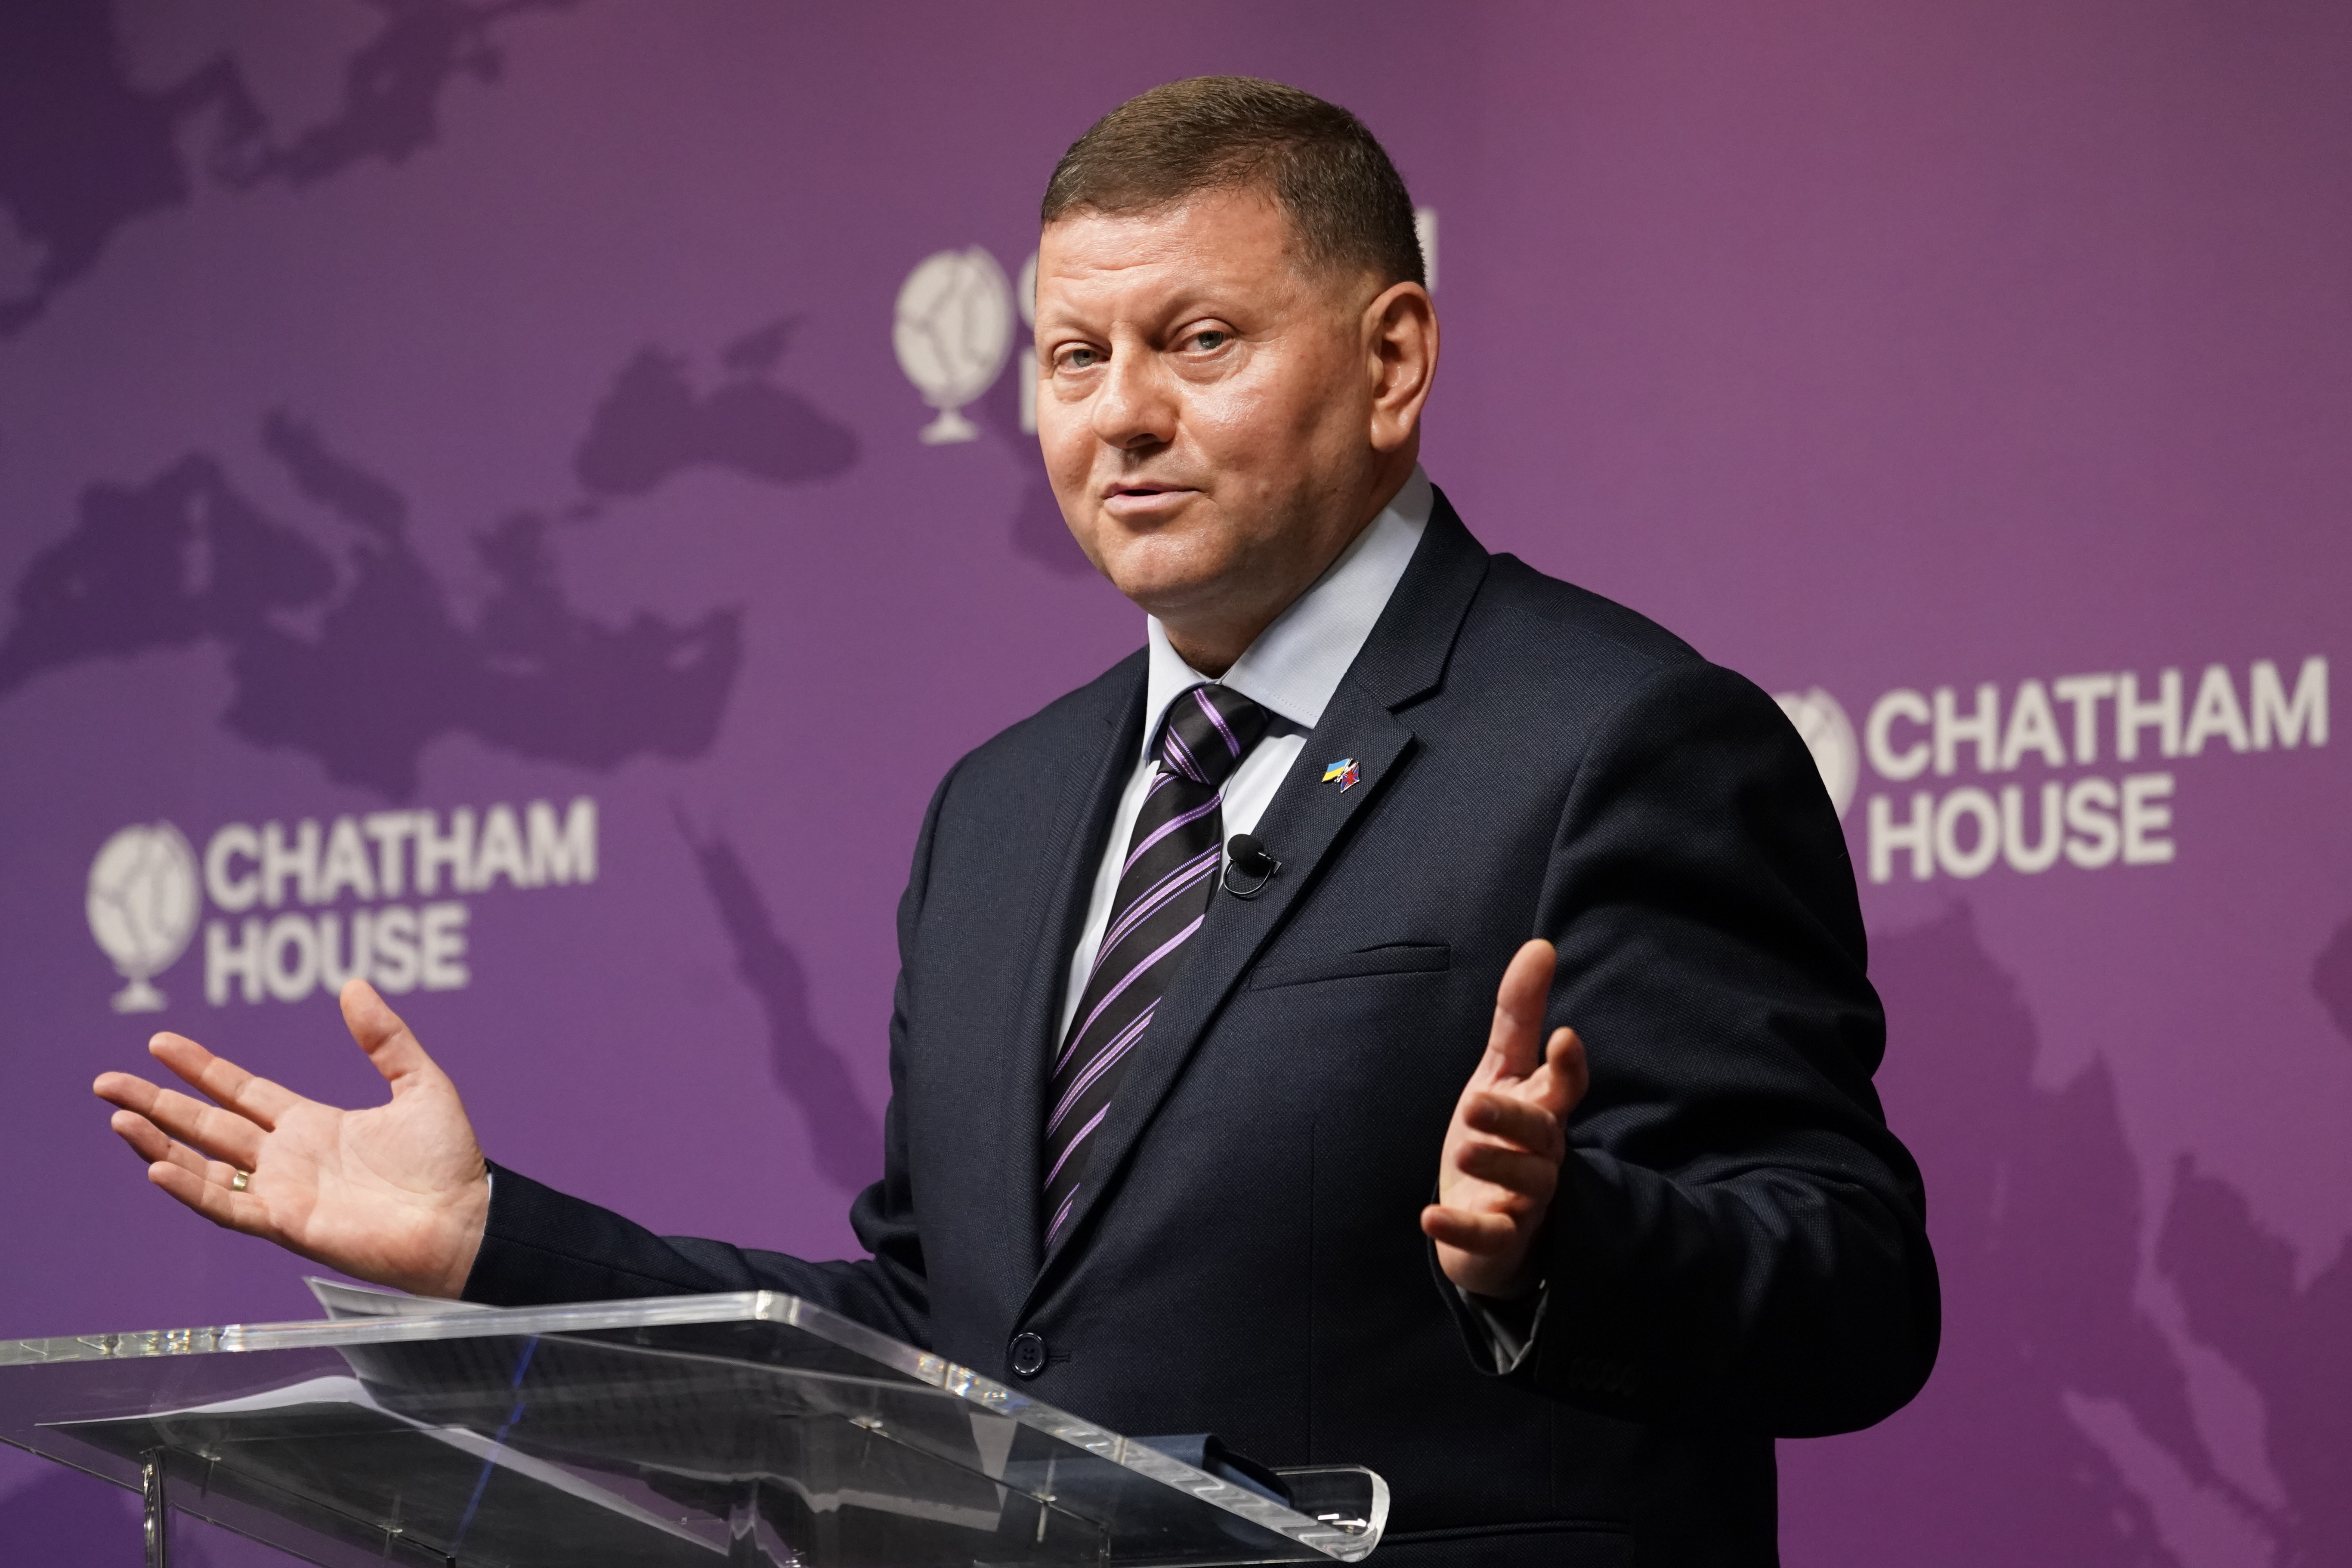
<point>1165,1114</point>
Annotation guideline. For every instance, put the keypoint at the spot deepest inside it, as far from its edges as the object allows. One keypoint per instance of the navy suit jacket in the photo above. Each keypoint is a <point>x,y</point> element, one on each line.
<point>1737,1251</point>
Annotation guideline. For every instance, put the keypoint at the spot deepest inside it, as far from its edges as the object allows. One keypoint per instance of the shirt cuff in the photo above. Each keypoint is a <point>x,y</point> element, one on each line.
<point>1510,1326</point>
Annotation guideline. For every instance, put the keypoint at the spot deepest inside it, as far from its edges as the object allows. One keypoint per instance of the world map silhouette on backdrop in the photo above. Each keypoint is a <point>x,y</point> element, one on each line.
<point>2059,1427</point>
<point>2238,1284</point>
<point>392,85</point>
<point>844,1135</point>
<point>652,424</point>
<point>389,668</point>
<point>2019,1178</point>
<point>85,150</point>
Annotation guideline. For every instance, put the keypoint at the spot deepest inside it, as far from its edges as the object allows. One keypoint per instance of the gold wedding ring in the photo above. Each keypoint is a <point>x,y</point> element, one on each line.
<point>238,1182</point>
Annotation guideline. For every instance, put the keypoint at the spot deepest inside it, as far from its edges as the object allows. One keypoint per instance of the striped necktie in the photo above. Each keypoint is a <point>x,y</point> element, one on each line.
<point>1162,897</point>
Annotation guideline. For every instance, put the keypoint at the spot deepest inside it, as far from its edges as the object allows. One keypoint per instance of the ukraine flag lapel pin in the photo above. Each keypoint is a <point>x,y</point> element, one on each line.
<point>1342,773</point>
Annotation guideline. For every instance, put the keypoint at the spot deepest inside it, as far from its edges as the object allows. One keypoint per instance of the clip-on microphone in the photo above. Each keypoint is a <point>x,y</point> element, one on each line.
<point>1248,867</point>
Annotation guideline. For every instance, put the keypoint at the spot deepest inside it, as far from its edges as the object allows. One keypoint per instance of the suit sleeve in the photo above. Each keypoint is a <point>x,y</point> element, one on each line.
<point>542,1247</point>
<point>1737,1238</point>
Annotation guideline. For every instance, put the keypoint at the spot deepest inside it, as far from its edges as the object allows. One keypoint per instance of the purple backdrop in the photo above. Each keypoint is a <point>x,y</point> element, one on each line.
<point>412,412</point>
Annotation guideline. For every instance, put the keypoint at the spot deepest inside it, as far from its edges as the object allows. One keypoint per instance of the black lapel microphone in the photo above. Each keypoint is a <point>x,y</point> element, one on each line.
<point>1248,868</point>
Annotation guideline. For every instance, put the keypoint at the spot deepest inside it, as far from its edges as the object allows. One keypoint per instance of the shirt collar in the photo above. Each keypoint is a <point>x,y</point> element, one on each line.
<point>1298,660</point>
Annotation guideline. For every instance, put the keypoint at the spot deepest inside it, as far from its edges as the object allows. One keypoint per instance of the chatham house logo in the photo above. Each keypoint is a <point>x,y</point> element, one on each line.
<point>142,904</point>
<point>302,908</point>
<point>953,330</point>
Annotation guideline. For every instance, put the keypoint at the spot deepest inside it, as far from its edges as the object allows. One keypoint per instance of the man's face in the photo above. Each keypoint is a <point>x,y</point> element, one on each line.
<point>1205,407</point>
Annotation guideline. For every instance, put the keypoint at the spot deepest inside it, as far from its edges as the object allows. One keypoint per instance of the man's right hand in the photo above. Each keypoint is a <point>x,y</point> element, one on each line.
<point>397,1195</point>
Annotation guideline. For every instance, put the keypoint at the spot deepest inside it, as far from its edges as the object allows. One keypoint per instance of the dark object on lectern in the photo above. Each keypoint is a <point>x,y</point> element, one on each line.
<point>1207,1452</point>
<point>732,1431</point>
<point>1248,867</point>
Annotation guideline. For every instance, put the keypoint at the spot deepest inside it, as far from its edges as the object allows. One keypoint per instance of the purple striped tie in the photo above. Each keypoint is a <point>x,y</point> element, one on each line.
<point>1162,897</point>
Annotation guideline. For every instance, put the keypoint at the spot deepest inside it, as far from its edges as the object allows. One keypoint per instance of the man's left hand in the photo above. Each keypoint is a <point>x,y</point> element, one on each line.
<point>1500,1164</point>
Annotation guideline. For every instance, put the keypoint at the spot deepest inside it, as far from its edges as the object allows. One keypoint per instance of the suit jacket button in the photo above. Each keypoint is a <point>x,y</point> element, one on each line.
<point>1028,1354</point>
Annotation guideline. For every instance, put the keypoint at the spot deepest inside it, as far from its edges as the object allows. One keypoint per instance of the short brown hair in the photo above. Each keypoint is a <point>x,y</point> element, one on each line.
<point>1334,180</point>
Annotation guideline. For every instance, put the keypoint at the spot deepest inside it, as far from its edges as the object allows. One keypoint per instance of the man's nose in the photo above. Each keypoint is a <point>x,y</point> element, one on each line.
<point>1136,407</point>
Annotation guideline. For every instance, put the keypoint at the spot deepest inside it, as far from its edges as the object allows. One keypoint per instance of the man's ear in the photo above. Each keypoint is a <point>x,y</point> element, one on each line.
<point>1400,358</point>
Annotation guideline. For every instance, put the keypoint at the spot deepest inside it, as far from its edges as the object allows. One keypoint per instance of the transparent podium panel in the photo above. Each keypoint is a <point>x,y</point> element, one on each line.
<point>693,1431</point>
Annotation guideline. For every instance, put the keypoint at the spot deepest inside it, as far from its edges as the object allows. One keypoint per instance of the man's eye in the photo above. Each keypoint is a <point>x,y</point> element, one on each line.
<point>1209,339</point>
<point>1080,358</point>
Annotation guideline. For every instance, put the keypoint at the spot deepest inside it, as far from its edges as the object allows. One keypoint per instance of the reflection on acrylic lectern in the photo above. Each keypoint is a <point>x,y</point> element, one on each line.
<point>683,1432</point>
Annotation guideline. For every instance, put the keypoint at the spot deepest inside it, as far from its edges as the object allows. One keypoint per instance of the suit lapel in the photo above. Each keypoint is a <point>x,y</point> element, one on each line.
<point>1068,851</point>
<point>1306,823</point>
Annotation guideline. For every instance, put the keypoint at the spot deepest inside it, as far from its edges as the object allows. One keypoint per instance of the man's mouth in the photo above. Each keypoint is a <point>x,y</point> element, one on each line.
<point>1143,493</point>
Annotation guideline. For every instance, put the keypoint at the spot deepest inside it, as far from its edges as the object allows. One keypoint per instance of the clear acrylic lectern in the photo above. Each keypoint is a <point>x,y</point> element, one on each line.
<point>683,1432</point>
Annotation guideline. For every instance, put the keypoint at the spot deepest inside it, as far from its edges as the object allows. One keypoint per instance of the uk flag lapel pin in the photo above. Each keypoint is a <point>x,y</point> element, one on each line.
<point>1342,773</point>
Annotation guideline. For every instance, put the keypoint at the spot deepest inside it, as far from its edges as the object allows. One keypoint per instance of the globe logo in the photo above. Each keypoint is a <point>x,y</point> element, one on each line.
<point>142,907</point>
<point>1827,734</point>
<point>952,331</point>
